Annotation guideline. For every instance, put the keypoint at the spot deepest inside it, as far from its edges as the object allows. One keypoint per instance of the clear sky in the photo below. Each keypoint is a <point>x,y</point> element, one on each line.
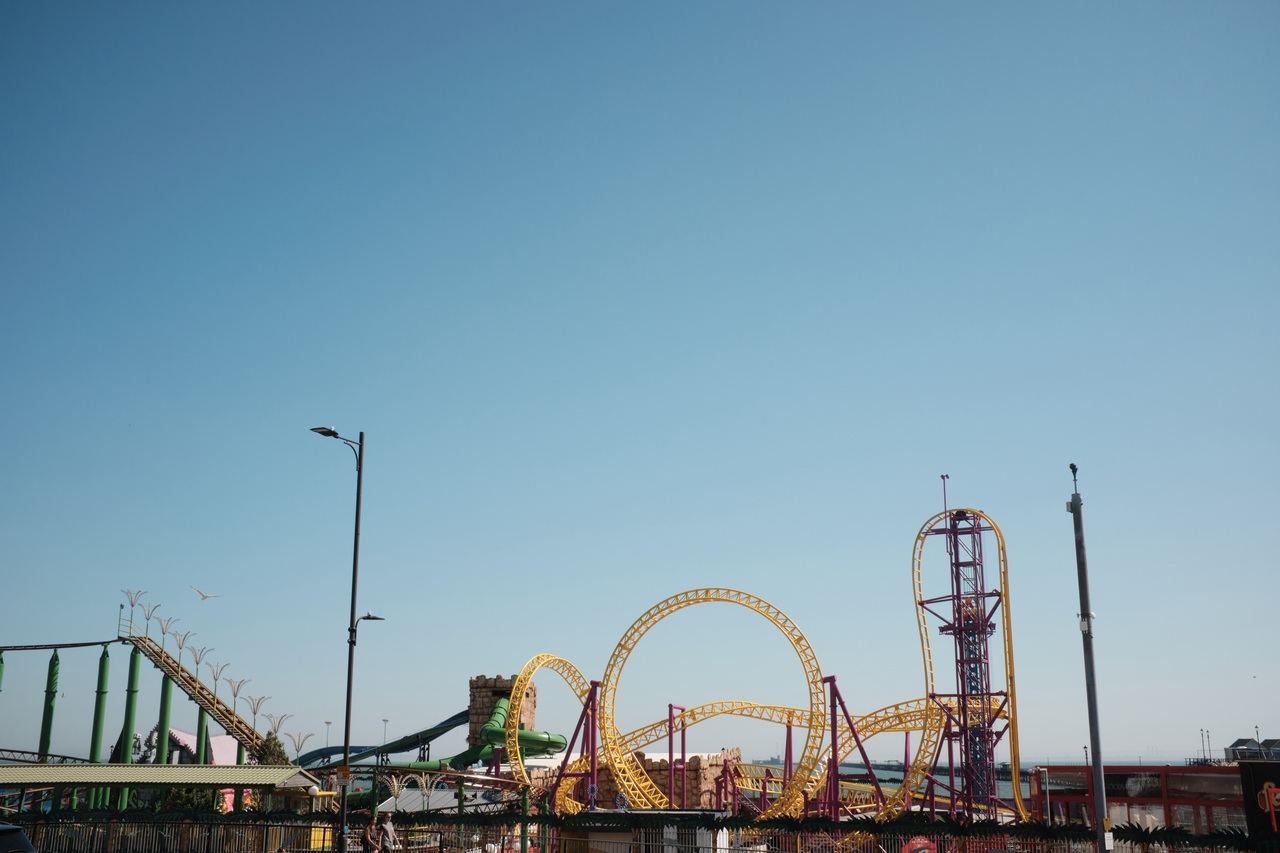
<point>632,298</point>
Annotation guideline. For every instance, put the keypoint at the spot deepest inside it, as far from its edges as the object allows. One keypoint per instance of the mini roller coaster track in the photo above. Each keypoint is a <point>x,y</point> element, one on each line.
<point>187,681</point>
<point>971,721</point>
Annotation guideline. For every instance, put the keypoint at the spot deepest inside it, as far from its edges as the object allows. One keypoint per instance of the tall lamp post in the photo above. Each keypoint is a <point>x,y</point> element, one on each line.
<point>1101,822</point>
<point>358,449</point>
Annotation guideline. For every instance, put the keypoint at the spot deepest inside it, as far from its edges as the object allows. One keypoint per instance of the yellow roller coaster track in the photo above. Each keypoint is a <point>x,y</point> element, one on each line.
<point>926,716</point>
<point>581,688</point>
<point>1010,708</point>
<point>617,749</point>
<point>627,771</point>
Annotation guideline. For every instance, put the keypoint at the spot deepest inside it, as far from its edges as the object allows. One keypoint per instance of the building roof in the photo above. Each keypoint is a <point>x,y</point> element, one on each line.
<point>156,775</point>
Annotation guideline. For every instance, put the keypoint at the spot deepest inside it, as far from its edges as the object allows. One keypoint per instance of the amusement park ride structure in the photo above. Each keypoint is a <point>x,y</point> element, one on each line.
<point>969,722</point>
<point>952,767</point>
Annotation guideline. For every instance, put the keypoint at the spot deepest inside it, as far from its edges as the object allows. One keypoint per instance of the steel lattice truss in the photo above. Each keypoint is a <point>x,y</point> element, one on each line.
<point>930,718</point>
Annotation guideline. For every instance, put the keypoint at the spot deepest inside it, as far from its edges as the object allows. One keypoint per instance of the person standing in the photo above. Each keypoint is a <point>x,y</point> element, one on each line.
<point>372,835</point>
<point>389,842</point>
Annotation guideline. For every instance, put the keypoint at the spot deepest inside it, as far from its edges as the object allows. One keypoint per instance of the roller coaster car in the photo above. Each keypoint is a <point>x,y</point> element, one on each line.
<point>14,840</point>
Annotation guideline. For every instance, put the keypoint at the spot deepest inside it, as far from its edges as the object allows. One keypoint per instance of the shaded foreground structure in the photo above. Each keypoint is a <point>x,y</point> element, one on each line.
<point>598,832</point>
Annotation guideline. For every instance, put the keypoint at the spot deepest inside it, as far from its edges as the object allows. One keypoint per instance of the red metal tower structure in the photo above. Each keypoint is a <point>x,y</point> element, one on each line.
<point>968,614</point>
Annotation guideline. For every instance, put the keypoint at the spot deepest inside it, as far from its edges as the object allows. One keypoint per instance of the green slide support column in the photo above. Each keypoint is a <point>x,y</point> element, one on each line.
<point>544,831</point>
<point>237,801</point>
<point>130,715</point>
<point>524,824</point>
<point>50,695</point>
<point>202,734</point>
<point>462,799</point>
<point>99,719</point>
<point>162,735</point>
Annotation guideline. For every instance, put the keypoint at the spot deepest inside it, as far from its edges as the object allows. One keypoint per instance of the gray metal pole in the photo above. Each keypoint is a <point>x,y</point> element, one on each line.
<point>1102,824</point>
<point>351,651</point>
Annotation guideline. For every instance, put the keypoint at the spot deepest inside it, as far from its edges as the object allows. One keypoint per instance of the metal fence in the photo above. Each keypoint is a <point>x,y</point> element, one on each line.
<point>160,835</point>
<point>187,836</point>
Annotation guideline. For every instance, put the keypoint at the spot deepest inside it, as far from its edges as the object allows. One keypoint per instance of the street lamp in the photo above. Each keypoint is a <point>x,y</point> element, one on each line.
<point>1101,822</point>
<point>358,449</point>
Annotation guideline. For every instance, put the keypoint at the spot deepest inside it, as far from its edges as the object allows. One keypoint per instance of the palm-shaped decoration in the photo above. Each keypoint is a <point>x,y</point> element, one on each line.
<point>298,741</point>
<point>236,687</point>
<point>255,705</point>
<point>277,722</point>
<point>181,640</point>
<point>216,669</point>
<point>133,596</point>
<point>147,610</point>
<point>397,784</point>
<point>197,655</point>
<point>165,625</point>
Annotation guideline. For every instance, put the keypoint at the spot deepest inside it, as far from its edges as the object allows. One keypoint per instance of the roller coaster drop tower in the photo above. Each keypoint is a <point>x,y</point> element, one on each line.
<point>978,716</point>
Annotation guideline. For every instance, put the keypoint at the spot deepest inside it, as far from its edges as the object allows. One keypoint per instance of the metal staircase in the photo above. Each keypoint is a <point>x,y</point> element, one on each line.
<point>222,713</point>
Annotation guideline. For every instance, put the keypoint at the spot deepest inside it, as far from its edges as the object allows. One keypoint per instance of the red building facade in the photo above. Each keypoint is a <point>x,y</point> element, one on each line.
<point>1202,798</point>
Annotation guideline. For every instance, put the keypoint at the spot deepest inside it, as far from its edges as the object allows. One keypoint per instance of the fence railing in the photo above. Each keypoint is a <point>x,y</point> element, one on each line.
<point>167,834</point>
<point>160,836</point>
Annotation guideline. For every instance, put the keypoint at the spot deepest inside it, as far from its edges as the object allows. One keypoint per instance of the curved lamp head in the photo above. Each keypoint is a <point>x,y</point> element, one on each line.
<point>327,432</point>
<point>373,618</point>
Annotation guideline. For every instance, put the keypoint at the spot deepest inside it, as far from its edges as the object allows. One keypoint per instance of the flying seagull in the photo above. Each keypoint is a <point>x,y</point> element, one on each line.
<point>204,595</point>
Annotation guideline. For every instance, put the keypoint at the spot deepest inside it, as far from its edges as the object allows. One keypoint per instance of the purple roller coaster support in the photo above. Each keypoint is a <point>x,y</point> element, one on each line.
<point>833,770</point>
<point>587,728</point>
<point>967,614</point>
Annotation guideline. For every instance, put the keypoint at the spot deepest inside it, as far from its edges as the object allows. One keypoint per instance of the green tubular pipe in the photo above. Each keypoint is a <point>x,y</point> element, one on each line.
<point>99,707</point>
<point>162,734</point>
<point>531,743</point>
<point>524,824</point>
<point>99,719</point>
<point>494,734</point>
<point>497,722</point>
<point>202,733</point>
<point>237,800</point>
<point>461,761</point>
<point>130,715</point>
<point>50,696</point>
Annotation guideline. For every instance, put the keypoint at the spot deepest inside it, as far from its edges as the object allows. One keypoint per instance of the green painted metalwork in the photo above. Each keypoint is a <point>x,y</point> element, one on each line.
<point>50,697</point>
<point>202,735</point>
<point>130,717</point>
<point>524,825</point>
<point>162,732</point>
<point>99,720</point>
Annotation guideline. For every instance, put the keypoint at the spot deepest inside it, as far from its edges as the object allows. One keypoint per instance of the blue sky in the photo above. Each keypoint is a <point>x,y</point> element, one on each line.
<point>630,299</point>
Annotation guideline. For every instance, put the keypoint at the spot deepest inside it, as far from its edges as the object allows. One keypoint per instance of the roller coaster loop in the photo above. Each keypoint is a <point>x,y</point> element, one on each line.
<point>932,717</point>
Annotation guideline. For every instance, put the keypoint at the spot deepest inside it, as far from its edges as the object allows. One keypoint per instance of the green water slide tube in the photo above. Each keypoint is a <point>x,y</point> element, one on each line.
<point>494,734</point>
